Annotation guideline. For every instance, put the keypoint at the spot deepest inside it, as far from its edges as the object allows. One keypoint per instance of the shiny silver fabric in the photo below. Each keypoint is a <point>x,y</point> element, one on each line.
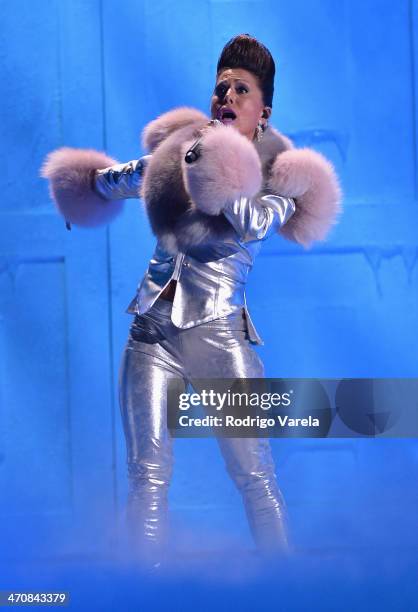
<point>157,350</point>
<point>211,277</point>
<point>122,180</point>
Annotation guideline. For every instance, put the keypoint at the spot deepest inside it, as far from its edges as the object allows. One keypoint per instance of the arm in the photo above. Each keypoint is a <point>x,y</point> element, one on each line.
<point>82,181</point>
<point>120,181</point>
<point>227,179</point>
<point>258,217</point>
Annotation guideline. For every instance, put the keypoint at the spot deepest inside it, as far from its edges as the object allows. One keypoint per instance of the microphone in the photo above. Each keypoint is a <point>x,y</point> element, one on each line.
<point>195,150</point>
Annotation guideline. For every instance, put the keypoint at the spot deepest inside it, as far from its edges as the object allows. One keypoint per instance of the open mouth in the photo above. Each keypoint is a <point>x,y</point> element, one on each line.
<point>226,115</point>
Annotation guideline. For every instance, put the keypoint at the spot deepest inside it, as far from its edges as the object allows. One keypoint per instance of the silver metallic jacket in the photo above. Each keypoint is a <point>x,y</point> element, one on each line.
<point>210,277</point>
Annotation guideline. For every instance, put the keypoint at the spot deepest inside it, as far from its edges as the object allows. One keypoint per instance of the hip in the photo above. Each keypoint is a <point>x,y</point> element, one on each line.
<point>156,323</point>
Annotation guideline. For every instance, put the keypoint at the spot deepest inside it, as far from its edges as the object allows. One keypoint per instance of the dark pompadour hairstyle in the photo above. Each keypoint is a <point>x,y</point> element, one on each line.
<point>244,51</point>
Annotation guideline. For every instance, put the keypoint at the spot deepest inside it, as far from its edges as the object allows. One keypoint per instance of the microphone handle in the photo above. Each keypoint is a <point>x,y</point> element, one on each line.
<point>195,150</point>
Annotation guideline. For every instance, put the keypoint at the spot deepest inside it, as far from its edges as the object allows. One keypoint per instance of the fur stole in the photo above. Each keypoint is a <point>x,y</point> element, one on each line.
<point>184,202</point>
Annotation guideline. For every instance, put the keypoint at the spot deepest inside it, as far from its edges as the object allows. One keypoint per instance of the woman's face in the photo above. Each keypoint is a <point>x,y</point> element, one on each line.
<point>238,100</point>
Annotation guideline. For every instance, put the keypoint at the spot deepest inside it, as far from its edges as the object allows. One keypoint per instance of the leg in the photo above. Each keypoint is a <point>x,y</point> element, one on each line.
<point>250,465</point>
<point>146,366</point>
<point>223,350</point>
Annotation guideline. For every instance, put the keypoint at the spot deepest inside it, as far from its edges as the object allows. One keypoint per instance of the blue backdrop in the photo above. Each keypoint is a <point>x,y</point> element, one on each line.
<point>91,74</point>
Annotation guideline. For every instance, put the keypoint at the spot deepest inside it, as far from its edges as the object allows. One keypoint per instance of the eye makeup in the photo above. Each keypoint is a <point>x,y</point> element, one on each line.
<point>222,87</point>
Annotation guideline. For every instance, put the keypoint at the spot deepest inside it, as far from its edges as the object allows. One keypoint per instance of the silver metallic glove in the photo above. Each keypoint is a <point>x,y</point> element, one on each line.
<point>122,180</point>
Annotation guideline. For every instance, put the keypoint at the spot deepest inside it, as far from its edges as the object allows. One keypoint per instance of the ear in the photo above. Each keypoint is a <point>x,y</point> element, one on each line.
<point>266,113</point>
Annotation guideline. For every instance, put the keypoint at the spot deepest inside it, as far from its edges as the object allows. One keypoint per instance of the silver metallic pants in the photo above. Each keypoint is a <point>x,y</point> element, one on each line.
<point>156,351</point>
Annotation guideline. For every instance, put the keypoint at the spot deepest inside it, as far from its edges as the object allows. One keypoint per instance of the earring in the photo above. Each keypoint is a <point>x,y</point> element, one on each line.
<point>259,132</point>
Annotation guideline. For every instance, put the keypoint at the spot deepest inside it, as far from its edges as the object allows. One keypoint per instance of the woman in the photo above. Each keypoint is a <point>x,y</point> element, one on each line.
<point>210,218</point>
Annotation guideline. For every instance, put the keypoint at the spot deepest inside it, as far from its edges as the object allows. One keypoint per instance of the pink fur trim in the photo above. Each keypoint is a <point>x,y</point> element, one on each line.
<point>70,175</point>
<point>158,130</point>
<point>310,178</point>
<point>229,167</point>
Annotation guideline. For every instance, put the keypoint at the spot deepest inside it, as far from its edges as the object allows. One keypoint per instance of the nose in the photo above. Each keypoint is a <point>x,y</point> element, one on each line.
<point>229,97</point>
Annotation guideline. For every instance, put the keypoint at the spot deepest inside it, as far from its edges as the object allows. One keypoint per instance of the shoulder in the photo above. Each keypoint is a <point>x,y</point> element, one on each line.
<point>158,130</point>
<point>272,144</point>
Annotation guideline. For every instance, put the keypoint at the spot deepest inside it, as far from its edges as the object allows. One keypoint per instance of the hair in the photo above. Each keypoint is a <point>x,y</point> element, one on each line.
<point>245,51</point>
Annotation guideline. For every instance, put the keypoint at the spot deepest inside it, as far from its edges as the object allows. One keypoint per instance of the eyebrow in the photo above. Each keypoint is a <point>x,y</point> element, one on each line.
<point>236,80</point>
